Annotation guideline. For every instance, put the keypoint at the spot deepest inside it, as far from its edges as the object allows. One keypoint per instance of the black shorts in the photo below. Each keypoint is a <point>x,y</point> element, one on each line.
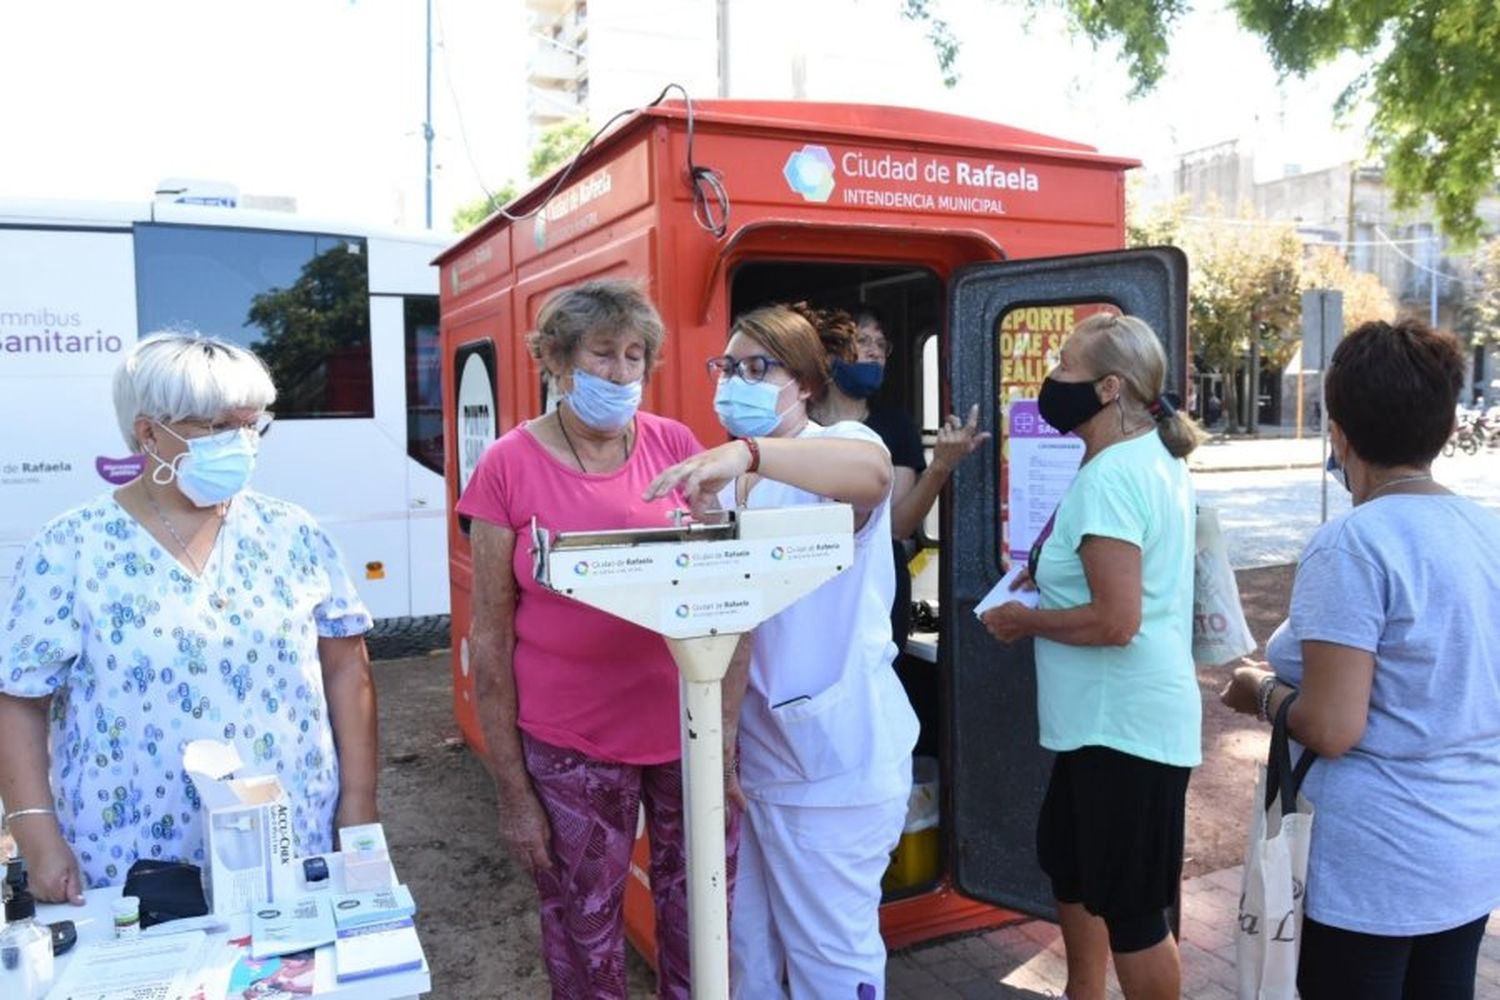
<point>1110,832</point>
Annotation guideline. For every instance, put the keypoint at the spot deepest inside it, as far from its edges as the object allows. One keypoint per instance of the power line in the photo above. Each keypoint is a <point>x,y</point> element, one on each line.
<point>1418,264</point>
<point>458,111</point>
<point>1296,224</point>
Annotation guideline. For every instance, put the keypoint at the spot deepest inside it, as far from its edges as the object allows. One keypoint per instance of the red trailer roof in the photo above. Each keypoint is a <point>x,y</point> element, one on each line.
<point>846,121</point>
<point>877,121</point>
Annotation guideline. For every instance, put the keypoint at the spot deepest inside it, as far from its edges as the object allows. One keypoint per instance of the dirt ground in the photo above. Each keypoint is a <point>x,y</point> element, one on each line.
<point>477,910</point>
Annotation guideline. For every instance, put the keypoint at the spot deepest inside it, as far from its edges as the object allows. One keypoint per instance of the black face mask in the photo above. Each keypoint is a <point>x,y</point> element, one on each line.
<point>1067,405</point>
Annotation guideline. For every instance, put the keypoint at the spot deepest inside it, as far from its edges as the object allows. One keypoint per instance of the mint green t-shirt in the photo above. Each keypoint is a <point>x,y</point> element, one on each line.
<point>1142,698</point>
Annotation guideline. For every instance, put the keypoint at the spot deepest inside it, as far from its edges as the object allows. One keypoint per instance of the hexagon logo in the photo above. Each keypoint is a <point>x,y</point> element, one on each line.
<point>809,172</point>
<point>684,560</point>
<point>581,568</point>
<point>778,553</point>
<point>683,611</point>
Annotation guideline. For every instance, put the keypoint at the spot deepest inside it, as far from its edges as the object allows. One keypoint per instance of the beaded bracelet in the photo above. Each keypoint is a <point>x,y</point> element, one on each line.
<point>1263,697</point>
<point>754,447</point>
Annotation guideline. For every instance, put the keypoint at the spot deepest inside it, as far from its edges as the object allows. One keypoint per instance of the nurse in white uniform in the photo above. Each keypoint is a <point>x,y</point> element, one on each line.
<point>825,729</point>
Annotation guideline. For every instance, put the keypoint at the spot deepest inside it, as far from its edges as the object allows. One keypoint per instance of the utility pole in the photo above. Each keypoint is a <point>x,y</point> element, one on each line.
<point>723,31</point>
<point>1434,264</point>
<point>427,123</point>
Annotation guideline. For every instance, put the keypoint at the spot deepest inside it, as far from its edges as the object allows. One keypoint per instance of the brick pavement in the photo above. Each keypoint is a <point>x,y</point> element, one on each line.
<point>1025,961</point>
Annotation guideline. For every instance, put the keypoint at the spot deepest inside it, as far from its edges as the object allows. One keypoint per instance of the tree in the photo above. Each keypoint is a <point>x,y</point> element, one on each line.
<point>1244,297</point>
<point>557,144</point>
<point>1365,298</point>
<point>1483,326</point>
<point>317,334</point>
<point>472,213</point>
<point>1244,287</point>
<point>1433,80</point>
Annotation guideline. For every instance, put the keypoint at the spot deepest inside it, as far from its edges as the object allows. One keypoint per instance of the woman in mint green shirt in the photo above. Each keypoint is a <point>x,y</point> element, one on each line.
<point>1117,697</point>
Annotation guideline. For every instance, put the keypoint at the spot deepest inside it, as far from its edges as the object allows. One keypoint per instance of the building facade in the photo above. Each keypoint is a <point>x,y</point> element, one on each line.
<point>1350,208</point>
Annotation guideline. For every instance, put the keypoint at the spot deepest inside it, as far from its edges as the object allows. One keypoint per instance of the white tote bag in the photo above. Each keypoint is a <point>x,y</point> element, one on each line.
<point>1220,632</point>
<point>1271,897</point>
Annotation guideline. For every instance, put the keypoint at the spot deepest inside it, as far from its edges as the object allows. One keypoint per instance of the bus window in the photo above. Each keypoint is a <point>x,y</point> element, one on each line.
<point>301,301</point>
<point>424,382</point>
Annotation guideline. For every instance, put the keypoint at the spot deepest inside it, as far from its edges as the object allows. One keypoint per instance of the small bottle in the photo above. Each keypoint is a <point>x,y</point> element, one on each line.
<point>127,914</point>
<point>25,951</point>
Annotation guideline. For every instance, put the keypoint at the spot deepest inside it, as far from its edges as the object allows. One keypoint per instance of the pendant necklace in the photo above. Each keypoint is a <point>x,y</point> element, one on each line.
<point>215,598</point>
<point>563,426</point>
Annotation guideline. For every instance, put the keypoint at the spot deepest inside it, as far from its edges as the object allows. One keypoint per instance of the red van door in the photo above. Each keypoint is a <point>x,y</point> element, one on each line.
<point>1005,319</point>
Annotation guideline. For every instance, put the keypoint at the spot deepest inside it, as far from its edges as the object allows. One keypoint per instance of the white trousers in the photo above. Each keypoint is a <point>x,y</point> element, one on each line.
<point>807,901</point>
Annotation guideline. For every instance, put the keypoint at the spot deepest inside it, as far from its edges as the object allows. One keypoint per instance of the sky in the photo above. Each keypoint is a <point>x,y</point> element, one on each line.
<point>323,100</point>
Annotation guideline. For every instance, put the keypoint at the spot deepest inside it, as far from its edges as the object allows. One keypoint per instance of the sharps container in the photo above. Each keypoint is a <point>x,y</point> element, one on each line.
<point>916,860</point>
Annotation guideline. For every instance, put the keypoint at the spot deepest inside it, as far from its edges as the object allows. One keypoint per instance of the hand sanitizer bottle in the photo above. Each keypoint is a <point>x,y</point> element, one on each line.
<point>25,951</point>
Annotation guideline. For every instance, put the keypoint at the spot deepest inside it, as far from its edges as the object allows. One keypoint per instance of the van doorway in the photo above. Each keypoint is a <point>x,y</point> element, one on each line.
<point>910,306</point>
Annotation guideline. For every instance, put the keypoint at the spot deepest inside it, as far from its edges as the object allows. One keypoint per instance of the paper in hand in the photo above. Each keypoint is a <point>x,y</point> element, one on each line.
<point>1001,593</point>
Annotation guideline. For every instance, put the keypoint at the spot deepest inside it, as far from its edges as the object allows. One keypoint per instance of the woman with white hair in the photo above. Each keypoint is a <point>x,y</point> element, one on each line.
<point>1117,697</point>
<point>181,606</point>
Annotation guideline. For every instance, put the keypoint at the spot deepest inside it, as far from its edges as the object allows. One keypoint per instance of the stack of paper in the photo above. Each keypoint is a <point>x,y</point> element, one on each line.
<point>377,950</point>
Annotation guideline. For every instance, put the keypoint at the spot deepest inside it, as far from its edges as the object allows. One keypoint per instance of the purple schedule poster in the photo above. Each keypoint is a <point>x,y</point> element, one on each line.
<point>1042,464</point>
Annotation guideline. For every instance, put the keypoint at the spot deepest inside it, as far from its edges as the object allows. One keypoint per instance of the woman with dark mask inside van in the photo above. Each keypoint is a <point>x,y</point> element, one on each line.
<point>915,484</point>
<point>825,730</point>
<point>1117,695</point>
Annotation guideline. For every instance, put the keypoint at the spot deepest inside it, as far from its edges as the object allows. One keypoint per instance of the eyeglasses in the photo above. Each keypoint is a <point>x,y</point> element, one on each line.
<point>260,425</point>
<point>751,369</point>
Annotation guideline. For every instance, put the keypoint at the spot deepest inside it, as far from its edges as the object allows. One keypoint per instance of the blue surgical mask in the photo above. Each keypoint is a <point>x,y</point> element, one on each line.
<point>213,469</point>
<point>858,379</point>
<point>603,405</point>
<point>748,409</point>
<point>1343,473</point>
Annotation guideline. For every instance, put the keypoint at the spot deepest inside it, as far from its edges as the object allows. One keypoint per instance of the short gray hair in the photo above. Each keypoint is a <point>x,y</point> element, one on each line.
<point>186,376</point>
<point>603,305</point>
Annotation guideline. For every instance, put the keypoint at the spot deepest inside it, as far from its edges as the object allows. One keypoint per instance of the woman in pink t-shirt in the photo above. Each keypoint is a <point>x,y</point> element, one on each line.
<point>579,709</point>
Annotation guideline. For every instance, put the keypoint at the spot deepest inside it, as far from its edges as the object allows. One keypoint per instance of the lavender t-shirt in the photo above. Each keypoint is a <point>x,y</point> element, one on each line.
<point>1406,836</point>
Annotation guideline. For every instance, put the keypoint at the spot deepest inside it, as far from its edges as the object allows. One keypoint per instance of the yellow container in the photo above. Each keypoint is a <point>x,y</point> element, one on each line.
<point>915,861</point>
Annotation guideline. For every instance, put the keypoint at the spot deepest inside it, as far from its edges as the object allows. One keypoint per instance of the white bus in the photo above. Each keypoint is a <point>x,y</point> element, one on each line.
<point>345,316</point>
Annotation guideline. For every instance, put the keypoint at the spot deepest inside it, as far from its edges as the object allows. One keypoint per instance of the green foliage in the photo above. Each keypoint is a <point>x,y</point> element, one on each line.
<point>939,34</point>
<point>1484,310</point>
<point>1143,28</point>
<point>1365,298</point>
<point>1434,84</point>
<point>1244,284</point>
<point>472,213</point>
<point>1432,78</point>
<point>555,146</point>
<point>1159,225</point>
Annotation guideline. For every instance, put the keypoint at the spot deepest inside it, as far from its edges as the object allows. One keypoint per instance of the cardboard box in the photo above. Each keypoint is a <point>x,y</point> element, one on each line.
<point>367,862</point>
<point>247,827</point>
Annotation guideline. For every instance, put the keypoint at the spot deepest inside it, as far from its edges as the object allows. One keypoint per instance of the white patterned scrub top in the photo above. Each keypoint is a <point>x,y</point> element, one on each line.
<point>139,662</point>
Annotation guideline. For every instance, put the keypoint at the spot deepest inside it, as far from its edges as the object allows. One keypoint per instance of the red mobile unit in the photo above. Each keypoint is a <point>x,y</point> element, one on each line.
<point>980,244</point>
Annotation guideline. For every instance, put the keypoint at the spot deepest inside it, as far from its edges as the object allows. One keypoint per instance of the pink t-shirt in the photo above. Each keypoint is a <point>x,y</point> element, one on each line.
<point>585,680</point>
